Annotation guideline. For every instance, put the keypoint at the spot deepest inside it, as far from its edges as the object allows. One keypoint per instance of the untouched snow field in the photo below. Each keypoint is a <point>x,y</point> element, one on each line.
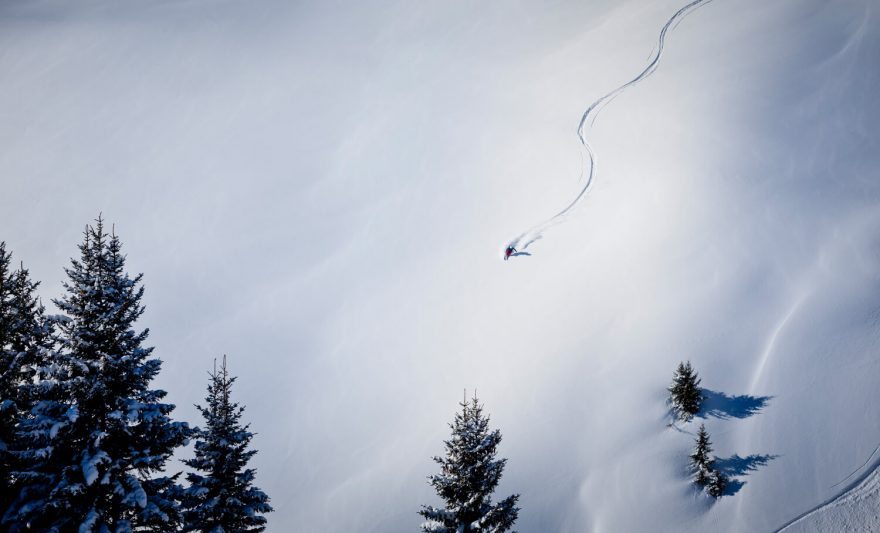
<point>321,189</point>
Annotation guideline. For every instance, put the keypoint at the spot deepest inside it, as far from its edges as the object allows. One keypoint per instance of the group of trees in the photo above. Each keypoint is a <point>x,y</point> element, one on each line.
<point>84,439</point>
<point>686,399</point>
<point>469,471</point>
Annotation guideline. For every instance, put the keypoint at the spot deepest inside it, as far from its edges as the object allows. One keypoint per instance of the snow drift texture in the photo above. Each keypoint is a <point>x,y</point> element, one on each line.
<point>319,190</point>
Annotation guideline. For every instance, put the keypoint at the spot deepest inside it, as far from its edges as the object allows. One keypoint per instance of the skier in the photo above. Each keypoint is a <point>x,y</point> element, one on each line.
<point>509,251</point>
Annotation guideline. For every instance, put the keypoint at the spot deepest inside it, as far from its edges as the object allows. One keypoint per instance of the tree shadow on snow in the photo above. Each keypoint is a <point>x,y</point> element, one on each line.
<point>720,405</point>
<point>736,466</point>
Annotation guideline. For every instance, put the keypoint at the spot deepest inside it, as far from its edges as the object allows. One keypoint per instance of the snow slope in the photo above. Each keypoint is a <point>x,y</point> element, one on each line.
<point>855,510</point>
<point>320,189</point>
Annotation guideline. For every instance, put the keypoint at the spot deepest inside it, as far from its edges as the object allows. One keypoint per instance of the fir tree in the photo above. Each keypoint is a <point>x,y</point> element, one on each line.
<point>701,459</point>
<point>717,484</point>
<point>684,394</point>
<point>224,498</point>
<point>468,475</point>
<point>24,341</point>
<point>101,432</point>
<point>8,374</point>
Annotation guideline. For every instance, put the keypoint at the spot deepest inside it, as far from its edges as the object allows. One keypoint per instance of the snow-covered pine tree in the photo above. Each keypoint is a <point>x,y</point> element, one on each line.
<point>224,498</point>
<point>108,434</point>
<point>24,339</point>
<point>468,475</point>
<point>701,458</point>
<point>684,393</point>
<point>43,410</point>
<point>717,484</point>
<point>8,375</point>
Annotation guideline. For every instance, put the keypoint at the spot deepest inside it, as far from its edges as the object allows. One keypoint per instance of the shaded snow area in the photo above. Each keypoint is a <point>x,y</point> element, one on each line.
<point>320,190</point>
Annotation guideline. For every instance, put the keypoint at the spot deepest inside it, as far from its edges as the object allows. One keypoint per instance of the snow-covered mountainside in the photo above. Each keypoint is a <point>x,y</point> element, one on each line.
<point>320,190</point>
<point>855,510</point>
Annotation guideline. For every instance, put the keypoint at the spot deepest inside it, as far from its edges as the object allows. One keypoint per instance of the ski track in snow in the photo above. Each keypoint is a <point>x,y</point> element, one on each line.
<point>866,486</point>
<point>863,465</point>
<point>524,240</point>
<point>771,342</point>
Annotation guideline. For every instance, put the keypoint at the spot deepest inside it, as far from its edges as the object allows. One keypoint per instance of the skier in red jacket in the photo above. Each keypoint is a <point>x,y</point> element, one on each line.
<point>509,251</point>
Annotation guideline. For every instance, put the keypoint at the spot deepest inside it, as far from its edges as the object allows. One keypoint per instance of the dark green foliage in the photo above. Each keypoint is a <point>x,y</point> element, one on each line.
<point>9,380</point>
<point>224,499</point>
<point>468,475</point>
<point>701,458</point>
<point>25,341</point>
<point>717,484</point>
<point>703,466</point>
<point>684,393</point>
<point>99,435</point>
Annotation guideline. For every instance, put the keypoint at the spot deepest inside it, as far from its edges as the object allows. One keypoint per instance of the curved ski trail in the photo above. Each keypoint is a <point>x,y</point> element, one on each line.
<point>865,486</point>
<point>524,240</point>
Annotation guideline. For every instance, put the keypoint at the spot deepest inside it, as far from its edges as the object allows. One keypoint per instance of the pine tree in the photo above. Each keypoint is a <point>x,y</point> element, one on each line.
<point>101,432</point>
<point>24,341</point>
<point>684,394</point>
<point>701,459</point>
<point>8,374</point>
<point>224,499</point>
<point>468,475</point>
<point>717,484</point>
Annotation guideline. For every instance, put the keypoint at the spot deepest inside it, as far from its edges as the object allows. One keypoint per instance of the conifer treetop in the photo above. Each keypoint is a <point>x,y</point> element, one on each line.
<point>702,461</point>
<point>469,474</point>
<point>685,394</point>
<point>222,497</point>
<point>105,433</point>
<point>25,340</point>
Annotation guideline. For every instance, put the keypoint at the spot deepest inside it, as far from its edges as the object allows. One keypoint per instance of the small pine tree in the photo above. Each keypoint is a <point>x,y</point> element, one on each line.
<point>102,433</point>
<point>717,484</point>
<point>468,475</point>
<point>701,458</point>
<point>684,393</point>
<point>224,499</point>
